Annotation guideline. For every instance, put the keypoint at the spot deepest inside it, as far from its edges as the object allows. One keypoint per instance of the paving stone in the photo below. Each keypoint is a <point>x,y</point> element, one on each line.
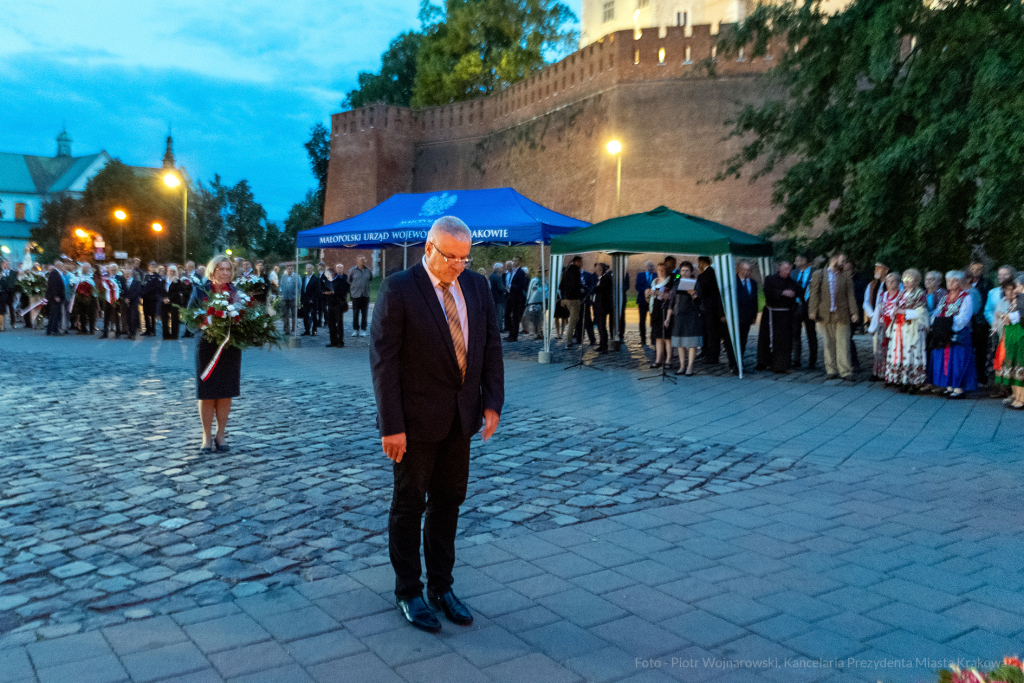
<point>411,646</point>
<point>535,667</point>
<point>172,660</point>
<point>300,623</point>
<point>15,665</point>
<point>226,633</point>
<point>50,653</point>
<point>358,668</point>
<point>353,604</point>
<point>703,629</point>
<point>582,607</point>
<point>73,569</point>
<point>324,647</point>
<point>104,669</point>
<point>562,640</point>
<point>250,659</point>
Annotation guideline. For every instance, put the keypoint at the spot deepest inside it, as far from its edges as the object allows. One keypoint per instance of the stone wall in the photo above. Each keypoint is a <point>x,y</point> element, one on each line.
<point>546,136</point>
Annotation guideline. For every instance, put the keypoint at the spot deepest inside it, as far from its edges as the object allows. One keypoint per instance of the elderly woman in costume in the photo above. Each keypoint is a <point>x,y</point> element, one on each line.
<point>952,355</point>
<point>1009,360</point>
<point>906,364</point>
<point>881,319</point>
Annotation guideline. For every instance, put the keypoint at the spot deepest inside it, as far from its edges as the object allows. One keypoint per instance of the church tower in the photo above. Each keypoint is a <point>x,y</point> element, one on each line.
<point>64,144</point>
<point>169,154</point>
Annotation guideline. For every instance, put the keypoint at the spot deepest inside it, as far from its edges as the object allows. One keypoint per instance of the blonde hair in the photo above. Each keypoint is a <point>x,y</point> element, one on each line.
<point>216,261</point>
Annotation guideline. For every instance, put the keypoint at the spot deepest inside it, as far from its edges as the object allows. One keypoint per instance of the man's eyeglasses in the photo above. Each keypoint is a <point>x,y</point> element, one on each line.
<point>452,260</point>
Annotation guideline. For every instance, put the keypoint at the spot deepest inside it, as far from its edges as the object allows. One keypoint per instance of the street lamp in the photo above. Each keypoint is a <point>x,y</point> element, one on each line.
<point>120,215</point>
<point>615,147</point>
<point>82,234</point>
<point>172,180</point>
<point>228,252</point>
<point>157,228</point>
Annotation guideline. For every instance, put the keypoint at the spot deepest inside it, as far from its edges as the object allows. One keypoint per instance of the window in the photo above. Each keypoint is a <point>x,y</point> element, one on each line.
<point>609,11</point>
<point>640,4</point>
<point>19,211</point>
<point>680,18</point>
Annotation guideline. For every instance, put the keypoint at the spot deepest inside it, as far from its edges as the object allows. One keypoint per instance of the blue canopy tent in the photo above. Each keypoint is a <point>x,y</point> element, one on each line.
<point>495,216</point>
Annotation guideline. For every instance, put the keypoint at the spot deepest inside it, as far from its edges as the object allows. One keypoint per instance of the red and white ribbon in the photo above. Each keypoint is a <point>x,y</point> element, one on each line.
<point>216,357</point>
<point>33,307</point>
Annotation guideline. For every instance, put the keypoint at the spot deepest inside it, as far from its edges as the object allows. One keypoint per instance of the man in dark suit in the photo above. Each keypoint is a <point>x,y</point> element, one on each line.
<point>516,300</point>
<point>152,291</point>
<point>435,358</point>
<point>644,280</point>
<point>746,301</point>
<point>802,273</point>
<point>570,289</point>
<point>499,292</point>
<point>55,297</point>
<point>131,295</point>
<point>604,305</point>
<point>310,300</point>
<point>713,316</point>
<point>587,305</point>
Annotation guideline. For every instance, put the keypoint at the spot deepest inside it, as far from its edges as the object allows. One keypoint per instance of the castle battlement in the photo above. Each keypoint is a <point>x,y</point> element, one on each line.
<point>652,54</point>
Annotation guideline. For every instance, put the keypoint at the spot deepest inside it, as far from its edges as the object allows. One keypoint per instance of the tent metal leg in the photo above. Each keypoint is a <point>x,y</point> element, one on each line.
<point>545,355</point>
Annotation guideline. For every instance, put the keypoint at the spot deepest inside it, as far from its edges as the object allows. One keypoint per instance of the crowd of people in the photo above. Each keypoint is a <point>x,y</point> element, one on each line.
<point>126,301</point>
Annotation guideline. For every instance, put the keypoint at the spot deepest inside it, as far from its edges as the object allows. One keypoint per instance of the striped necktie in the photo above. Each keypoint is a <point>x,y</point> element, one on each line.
<point>455,327</point>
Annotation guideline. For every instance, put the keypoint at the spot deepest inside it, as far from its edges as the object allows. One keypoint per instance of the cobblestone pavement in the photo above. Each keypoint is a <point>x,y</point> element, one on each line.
<point>627,533</point>
<point>103,512</point>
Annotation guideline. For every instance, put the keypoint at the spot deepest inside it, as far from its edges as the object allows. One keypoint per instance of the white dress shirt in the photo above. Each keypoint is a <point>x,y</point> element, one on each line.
<point>460,301</point>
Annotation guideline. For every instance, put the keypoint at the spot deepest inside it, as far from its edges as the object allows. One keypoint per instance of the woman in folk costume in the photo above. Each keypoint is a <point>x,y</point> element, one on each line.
<point>906,365</point>
<point>952,354</point>
<point>881,319</point>
<point>1009,360</point>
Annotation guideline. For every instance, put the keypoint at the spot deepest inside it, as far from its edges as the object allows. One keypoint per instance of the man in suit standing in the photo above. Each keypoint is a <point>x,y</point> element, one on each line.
<point>287,296</point>
<point>152,291</point>
<point>746,302</point>
<point>55,298</point>
<point>644,280</point>
<point>499,292</point>
<point>570,290</point>
<point>310,300</point>
<point>833,306</point>
<point>604,305</point>
<point>587,304</point>
<point>801,322</point>
<point>131,295</point>
<point>438,375</point>
<point>516,301</point>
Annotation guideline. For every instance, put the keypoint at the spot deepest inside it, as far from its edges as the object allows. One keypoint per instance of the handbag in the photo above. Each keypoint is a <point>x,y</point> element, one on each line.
<point>941,334</point>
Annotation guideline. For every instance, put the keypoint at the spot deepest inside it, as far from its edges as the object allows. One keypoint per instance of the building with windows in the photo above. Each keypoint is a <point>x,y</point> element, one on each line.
<point>26,181</point>
<point>599,18</point>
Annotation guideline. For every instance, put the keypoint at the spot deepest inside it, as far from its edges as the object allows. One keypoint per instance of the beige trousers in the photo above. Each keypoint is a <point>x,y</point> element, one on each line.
<point>837,349</point>
<point>574,317</point>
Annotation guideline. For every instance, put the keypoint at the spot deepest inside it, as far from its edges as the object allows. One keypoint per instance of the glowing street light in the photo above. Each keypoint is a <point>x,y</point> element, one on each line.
<point>228,252</point>
<point>157,227</point>
<point>82,234</point>
<point>5,250</point>
<point>120,215</point>
<point>615,147</point>
<point>172,180</point>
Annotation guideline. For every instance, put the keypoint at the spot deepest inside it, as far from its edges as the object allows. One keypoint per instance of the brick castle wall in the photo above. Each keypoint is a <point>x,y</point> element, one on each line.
<point>546,136</point>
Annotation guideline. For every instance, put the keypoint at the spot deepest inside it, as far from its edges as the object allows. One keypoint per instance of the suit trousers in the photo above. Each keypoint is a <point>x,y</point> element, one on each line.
<point>574,318</point>
<point>602,317</point>
<point>56,316</point>
<point>744,335</point>
<point>360,307</point>
<point>170,321</point>
<point>309,318</point>
<point>499,313</point>
<point>111,320</point>
<point>515,305</point>
<point>431,479</point>
<point>717,334</point>
<point>837,348</point>
<point>149,315</point>
<point>802,323</point>
<point>335,319</point>
<point>586,322</point>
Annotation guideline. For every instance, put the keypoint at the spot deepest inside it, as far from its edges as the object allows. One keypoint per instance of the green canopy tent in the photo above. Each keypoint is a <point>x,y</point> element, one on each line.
<point>666,231</point>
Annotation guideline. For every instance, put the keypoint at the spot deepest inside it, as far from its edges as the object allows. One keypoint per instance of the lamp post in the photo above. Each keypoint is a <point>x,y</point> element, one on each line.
<point>120,215</point>
<point>157,228</point>
<point>172,180</point>
<point>615,147</point>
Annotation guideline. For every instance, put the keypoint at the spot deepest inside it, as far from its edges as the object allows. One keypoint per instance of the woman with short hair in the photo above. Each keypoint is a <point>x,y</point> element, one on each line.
<point>881,319</point>
<point>660,298</point>
<point>952,354</point>
<point>224,381</point>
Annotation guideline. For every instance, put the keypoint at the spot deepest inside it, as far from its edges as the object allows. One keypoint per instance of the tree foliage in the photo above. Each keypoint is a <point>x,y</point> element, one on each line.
<point>474,47</point>
<point>244,218</point>
<point>57,219</point>
<point>318,148</point>
<point>394,82</point>
<point>898,123</point>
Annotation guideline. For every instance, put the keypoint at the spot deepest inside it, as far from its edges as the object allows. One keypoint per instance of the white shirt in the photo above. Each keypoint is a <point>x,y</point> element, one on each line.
<point>460,301</point>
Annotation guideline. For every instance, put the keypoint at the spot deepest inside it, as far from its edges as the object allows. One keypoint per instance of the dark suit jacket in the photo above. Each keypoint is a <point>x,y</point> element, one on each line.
<point>604,295</point>
<point>498,289</point>
<point>518,286</point>
<point>310,290</point>
<point>154,288</point>
<point>747,303</point>
<point>710,297</point>
<point>131,295</point>
<point>55,286</point>
<point>416,377</point>
<point>572,284</point>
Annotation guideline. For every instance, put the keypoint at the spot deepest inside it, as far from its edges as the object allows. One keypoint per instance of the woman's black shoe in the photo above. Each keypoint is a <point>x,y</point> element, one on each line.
<point>655,366</point>
<point>222,447</point>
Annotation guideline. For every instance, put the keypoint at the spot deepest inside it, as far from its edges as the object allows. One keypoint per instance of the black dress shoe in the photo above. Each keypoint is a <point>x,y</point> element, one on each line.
<point>452,607</point>
<point>417,613</point>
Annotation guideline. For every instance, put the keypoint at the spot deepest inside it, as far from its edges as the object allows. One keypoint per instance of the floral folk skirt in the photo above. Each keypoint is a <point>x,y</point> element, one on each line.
<point>1012,371</point>
<point>906,363</point>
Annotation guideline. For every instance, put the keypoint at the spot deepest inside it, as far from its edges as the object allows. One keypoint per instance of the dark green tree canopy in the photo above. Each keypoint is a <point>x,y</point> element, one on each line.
<point>466,49</point>
<point>394,83</point>
<point>318,148</point>
<point>900,124</point>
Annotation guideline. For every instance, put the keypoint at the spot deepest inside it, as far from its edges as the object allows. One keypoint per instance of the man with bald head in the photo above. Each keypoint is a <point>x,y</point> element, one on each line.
<point>438,376</point>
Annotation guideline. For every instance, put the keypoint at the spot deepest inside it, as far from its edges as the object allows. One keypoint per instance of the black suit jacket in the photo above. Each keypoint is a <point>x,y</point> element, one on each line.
<point>416,377</point>
<point>55,286</point>
<point>154,288</point>
<point>604,294</point>
<point>746,303</point>
<point>710,297</point>
<point>133,294</point>
<point>310,290</point>
<point>518,286</point>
